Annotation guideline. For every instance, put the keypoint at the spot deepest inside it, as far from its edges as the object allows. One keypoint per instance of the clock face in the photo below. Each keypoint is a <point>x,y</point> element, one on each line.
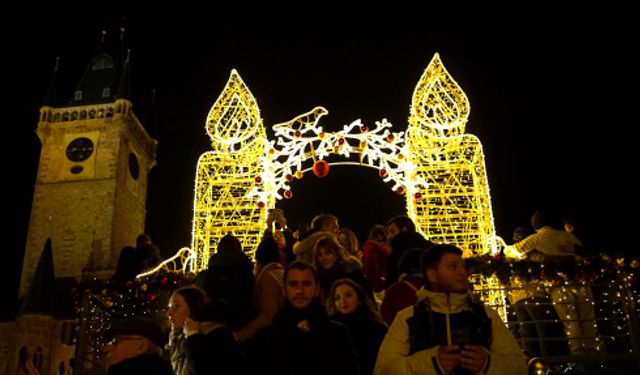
<point>79,149</point>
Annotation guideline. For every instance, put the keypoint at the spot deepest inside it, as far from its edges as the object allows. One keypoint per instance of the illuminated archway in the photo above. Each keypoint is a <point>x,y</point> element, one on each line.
<point>438,167</point>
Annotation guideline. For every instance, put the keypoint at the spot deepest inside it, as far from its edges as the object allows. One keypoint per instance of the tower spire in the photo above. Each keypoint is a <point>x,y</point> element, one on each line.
<point>124,89</point>
<point>50,94</point>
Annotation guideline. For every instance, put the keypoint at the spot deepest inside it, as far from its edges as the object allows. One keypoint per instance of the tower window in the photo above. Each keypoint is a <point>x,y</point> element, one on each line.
<point>77,96</point>
<point>106,92</point>
<point>38,358</point>
<point>102,62</point>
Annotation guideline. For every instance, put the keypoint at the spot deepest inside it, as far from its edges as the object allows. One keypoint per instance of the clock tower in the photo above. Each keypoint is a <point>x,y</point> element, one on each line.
<point>91,186</point>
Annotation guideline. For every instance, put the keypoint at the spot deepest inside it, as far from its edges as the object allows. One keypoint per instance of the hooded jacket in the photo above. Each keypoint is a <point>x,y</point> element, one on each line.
<point>505,355</point>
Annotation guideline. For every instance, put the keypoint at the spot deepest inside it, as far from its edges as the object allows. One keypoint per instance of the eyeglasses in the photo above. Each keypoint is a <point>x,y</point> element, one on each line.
<point>117,339</point>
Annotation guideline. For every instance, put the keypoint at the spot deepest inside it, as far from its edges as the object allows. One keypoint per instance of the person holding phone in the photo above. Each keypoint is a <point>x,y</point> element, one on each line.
<point>448,331</point>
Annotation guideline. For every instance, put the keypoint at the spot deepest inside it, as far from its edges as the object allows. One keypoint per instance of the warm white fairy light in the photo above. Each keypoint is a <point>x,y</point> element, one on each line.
<point>439,168</point>
<point>456,204</point>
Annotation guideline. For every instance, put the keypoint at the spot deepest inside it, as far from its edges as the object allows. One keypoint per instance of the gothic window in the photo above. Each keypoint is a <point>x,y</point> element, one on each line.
<point>78,95</point>
<point>23,357</point>
<point>38,358</point>
<point>106,92</point>
<point>102,62</point>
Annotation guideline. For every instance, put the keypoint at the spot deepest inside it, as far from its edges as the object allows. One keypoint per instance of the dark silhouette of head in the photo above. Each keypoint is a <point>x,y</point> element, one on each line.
<point>403,222</point>
<point>267,251</point>
<point>539,219</point>
<point>229,244</point>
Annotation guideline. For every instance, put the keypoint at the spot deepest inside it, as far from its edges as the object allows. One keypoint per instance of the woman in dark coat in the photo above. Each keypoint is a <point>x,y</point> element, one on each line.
<point>349,305</point>
<point>230,278</point>
<point>332,262</point>
<point>199,342</point>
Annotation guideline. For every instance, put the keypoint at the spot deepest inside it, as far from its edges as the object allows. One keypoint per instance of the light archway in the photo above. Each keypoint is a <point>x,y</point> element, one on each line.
<point>437,166</point>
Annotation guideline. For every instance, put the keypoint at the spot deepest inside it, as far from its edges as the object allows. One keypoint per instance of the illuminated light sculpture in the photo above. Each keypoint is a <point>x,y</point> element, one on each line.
<point>440,170</point>
<point>455,206</point>
<point>227,174</point>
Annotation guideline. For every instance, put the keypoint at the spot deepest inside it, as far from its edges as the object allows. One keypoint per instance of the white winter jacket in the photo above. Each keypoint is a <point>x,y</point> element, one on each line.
<point>505,355</point>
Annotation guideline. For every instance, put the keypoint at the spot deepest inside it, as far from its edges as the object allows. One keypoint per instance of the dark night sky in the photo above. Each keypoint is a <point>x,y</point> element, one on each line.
<point>548,92</point>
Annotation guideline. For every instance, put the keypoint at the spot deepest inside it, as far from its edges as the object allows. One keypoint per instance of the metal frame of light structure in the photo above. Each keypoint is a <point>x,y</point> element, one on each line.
<point>456,205</point>
<point>227,174</point>
<point>439,169</point>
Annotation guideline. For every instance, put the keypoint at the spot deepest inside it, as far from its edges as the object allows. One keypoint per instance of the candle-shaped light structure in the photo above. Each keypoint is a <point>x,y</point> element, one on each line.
<point>237,165</point>
<point>455,206</point>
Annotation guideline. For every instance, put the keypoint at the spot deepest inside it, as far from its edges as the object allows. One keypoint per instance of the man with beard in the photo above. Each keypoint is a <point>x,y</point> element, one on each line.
<point>302,339</point>
<point>448,331</point>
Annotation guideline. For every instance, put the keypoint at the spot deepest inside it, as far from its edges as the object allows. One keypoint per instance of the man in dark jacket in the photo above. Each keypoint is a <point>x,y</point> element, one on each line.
<point>302,339</point>
<point>134,347</point>
<point>402,235</point>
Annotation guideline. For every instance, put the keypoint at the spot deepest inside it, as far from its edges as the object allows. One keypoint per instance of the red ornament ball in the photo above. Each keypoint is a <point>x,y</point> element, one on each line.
<point>400,190</point>
<point>390,138</point>
<point>288,178</point>
<point>260,205</point>
<point>417,196</point>
<point>288,194</point>
<point>320,168</point>
<point>382,172</point>
<point>364,129</point>
<point>258,180</point>
<point>297,134</point>
<point>164,281</point>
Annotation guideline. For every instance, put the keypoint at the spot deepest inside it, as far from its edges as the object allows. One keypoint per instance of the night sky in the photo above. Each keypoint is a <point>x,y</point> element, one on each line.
<point>549,91</point>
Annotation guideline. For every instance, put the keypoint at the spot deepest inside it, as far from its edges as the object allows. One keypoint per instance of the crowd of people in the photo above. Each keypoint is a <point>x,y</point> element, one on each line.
<point>318,302</point>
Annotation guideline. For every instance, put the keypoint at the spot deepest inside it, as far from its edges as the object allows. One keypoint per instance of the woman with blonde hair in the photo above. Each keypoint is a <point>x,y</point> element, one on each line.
<point>332,263</point>
<point>349,241</point>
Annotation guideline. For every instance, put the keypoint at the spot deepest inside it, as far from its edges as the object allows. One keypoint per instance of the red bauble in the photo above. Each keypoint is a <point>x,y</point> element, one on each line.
<point>320,168</point>
<point>288,194</point>
<point>258,180</point>
<point>151,297</point>
<point>390,138</point>
<point>364,129</point>
<point>400,190</point>
<point>288,178</point>
<point>297,134</point>
<point>382,172</point>
<point>417,196</point>
<point>164,281</point>
<point>260,205</point>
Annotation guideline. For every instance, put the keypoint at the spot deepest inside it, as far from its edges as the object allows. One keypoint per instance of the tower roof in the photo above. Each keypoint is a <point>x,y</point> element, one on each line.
<point>104,74</point>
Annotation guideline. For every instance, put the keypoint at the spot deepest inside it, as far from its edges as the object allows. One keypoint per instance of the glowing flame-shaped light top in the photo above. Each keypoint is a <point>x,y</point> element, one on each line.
<point>234,118</point>
<point>439,106</point>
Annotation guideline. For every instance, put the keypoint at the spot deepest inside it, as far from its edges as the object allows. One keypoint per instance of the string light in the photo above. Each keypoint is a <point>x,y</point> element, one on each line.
<point>439,168</point>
